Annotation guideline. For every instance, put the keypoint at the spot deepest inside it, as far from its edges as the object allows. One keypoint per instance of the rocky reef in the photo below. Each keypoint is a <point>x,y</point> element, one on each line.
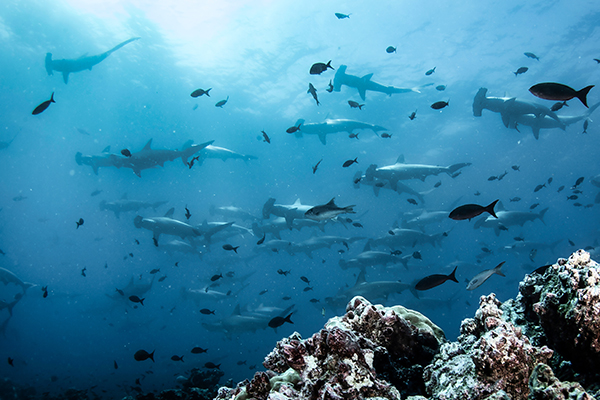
<point>545,344</point>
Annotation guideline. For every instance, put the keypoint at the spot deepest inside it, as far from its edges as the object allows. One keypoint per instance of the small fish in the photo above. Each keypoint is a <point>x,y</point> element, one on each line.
<point>390,49</point>
<point>206,311</point>
<point>327,211</point>
<point>115,364</point>
<point>215,278</point>
<point>354,104</point>
<point>316,166</point>
<point>558,91</point>
<point>308,288</point>
<point>413,115</point>
<point>597,60</point>
<point>126,153</point>
<point>136,299</point>
<point>483,276</point>
<point>278,321</point>
<point>396,252</point>
<point>252,367</point>
<point>519,238</point>
<point>266,137</point>
<point>437,184</point>
<point>431,281</point>
<point>45,291</point>
<point>341,251</point>
<point>431,71</point>
<point>313,92</point>
<point>469,211</point>
<point>386,135</point>
<point>293,128</point>
<point>120,291</point>
<point>560,189</point>
<point>261,240</point>
<point>532,254</point>
<point>501,176</point>
<point>342,16</point>
<point>477,193</point>
<point>357,225</point>
<point>531,55</point>
<point>353,136</point>
<point>585,125</point>
<point>282,272</point>
<point>391,232</point>
<point>492,178</point>
<point>305,280</point>
<point>578,182</point>
<point>319,68</point>
<point>571,242</point>
<point>502,228</point>
<point>412,201</point>
<point>577,204</point>
<point>329,87</point>
<point>83,272</point>
<point>440,88</point>
<point>286,298</point>
<point>486,250</point>
<point>177,358</point>
<point>136,241</point>
<point>572,197</point>
<point>200,92</point>
<point>514,199</point>
<point>11,361</point>
<point>516,168</point>
<point>198,350</point>
<point>417,255</point>
<point>241,362</point>
<point>95,192</point>
<point>42,107</point>
<point>350,162</point>
<point>521,70</point>
<point>550,180</point>
<point>438,105</point>
<point>155,240</point>
<point>142,355</point>
<point>534,206</point>
<point>557,106</point>
<point>162,278</point>
<point>154,271</point>
<point>221,103</point>
<point>263,292</point>
<point>229,247</point>
<point>79,223</point>
<point>539,187</point>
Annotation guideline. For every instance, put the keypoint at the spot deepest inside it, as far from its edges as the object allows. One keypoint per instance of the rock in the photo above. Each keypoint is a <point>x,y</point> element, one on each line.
<point>545,386</point>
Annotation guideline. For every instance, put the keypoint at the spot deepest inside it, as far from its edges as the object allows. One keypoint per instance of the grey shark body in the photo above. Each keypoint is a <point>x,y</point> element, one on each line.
<point>378,184</point>
<point>95,161</point>
<point>330,126</point>
<point>166,225</point>
<point>233,213</point>
<point>371,258</point>
<point>507,219</point>
<point>222,153</point>
<point>126,205</point>
<point>372,291</point>
<point>287,211</point>
<point>7,277</point>
<point>237,323</point>
<point>403,238</point>
<point>69,66</point>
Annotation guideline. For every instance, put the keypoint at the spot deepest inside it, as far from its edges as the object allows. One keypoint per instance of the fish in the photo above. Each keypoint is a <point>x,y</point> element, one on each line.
<point>578,182</point>
<point>221,103</point>
<point>96,192</point>
<point>314,168</point>
<point>514,199</point>
<point>327,211</point>
<point>531,55</point>
<point>572,197</point>
<point>440,88</point>
<point>266,137</point>
<point>206,311</point>
<point>276,322</point>
<point>79,223</point>
<point>357,225</point>
<point>177,358</point>
<point>126,153</point>
<point>241,362</point>
<point>353,136</point>
<point>413,115</point>
<point>571,242</point>
<point>282,272</point>
<point>342,16</point>
<point>558,91</point>
<point>45,291</point>
<point>188,214</point>
<point>42,107</point>
<point>469,211</point>
<point>83,272</point>
<point>520,71</point>
<point>550,180</point>
<point>519,238</point>
<point>115,365</point>
<point>483,276</point>
<point>560,189</point>
<point>431,281</point>
<point>121,292</point>
<point>135,299</point>
<point>305,280</point>
<point>585,125</point>
<point>438,105</point>
<point>313,91</point>
<point>350,162</point>
<point>11,361</point>
<point>211,365</point>
<point>431,71</point>
<point>516,168</point>
<point>492,178</point>
<point>262,240</point>
<point>294,128</point>
<point>200,92</point>
<point>501,176</point>
<point>286,298</point>
<point>229,247</point>
<point>215,278</point>
<point>539,187</point>
<point>532,254</point>
<point>154,271</point>
<point>557,106</point>
<point>198,350</point>
<point>390,49</point>
<point>417,255</point>
<point>142,355</point>
<point>534,205</point>
<point>386,135</point>
<point>319,68</point>
<point>263,292</point>
<point>329,87</point>
<point>307,289</point>
<point>412,201</point>
<point>162,278</point>
<point>354,104</point>
<point>597,60</point>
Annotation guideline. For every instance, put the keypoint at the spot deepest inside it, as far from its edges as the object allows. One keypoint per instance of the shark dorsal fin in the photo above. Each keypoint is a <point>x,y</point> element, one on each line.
<point>106,149</point>
<point>124,197</point>
<point>148,145</point>
<point>187,144</point>
<point>400,159</point>
<point>500,207</point>
<point>367,246</point>
<point>331,202</point>
<point>297,202</point>
<point>367,77</point>
<point>236,311</point>
<point>361,277</point>
<point>169,214</point>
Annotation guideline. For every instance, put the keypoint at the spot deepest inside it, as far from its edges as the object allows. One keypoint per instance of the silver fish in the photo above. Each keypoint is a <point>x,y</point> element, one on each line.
<point>484,276</point>
<point>327,211</point>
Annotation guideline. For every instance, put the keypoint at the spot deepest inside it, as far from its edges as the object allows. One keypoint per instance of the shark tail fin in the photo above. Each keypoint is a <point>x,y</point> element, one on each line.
<point>541,215</point>
<point>48,63</point>
<point>267,208</point>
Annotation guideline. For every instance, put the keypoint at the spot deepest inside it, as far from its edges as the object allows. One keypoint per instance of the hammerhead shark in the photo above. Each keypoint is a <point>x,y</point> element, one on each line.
<point>362,84</point>
<point>67,66</point>
<point>329,126</point>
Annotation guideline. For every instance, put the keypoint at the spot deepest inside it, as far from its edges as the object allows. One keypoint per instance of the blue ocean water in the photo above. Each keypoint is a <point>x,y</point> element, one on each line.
<point>258,55</point>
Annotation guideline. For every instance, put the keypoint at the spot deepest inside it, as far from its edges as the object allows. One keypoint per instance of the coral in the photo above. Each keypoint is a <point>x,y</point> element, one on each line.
<point>545,386</point>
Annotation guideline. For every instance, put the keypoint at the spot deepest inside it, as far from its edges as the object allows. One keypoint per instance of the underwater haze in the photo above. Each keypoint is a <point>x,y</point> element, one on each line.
<point>130,169</point>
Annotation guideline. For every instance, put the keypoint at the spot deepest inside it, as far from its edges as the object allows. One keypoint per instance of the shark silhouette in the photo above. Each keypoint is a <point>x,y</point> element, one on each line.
<point>67,66</point>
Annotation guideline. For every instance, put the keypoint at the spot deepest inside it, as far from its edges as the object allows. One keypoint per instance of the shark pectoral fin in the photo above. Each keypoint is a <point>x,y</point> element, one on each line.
<point>376,190</point>
<point>505,119</point>
<point>66,77</point>
<point>138,173</point>
<point>362,93</point>
<point>323,138</point>
<point>536,131</point>
<point>289,221</point>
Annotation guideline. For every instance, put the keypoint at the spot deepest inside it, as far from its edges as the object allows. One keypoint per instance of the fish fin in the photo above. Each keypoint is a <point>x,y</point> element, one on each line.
<point>400,159</point>
<point>66,77</point>
<point>452,276</point>
<point>169,214</point>
<point>148,145</point>
<point>505,119</point>
<point>490,209</point>
<point>498,270</point>
<point>536,132</point>
<point>323,138</point>
<point>582,94</point>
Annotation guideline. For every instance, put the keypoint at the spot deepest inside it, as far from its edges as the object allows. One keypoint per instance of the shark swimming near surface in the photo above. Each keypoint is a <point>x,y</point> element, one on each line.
<point>7,277</point>
<point>124,205</point>
<point>362,84</point>
<point>222,153</point>
<point>329,126</point>
<point>69,66</point>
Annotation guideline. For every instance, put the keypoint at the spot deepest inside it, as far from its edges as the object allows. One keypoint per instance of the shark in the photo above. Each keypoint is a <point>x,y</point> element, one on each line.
<point>237,323</point>
<point>364,84</point>
<point>135,287</point>
<point>371,258</point>
<point>407,238</point>
<point>7,277</point>
<point>233,212</point>
<point>85,62</point>
<point>289,212</point>
<point>329,126</point>
<point>320,242</point>
<point>173,246</point>
<point>222,153</point>
<point>401,171</point>
<point>379,184</point>
<point>525,248</point>
<point>96,161</point>
<point>166,225</point>
<point>508,218</point>
<point>125,205</point>
<point>4,145</point>
<point>426,218</point>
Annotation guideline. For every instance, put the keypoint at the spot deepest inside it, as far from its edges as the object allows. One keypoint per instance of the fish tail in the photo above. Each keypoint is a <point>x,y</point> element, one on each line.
<point>52,98</point>
<point>288,318</point>
<point>498,269</point>
<point>582,94</point>
<point>142,301</point>
<point>151,356</point>
<point>490,209</point>
<point>452,276</point>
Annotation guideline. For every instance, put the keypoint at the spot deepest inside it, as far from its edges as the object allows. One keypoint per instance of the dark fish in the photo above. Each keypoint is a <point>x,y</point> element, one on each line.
<point>390,50</point>
<point>585,125</point>
<point>386,135</point>
<point>515,199</point>
<point>342,16</point>
<point>266,137</point>
<point>162,278</point>
<point>486,250</point>
<point>83,272</point>
<point>222,102</point>
<point>437,184</point>
<point>558,106</point>
<point>571,242</point>
<point>79,223</point>
<point>42,107</point>
<point>211,365</point>
<point>413,115</point>
<point>11,361</point>
<point>286,298</point>
<point>597,60</point>
<point>278,321</point>
<point>177,358</point>
<point>293,128</point>
<point>318,68</point>
<point>45,291</point>
<point>305,279</point>
<point>200,92</point>
<point>501,176</point>
<point>126,153</point>
<point>154,271</point>
<point>516,168</point>
<point>198,350</point>
<point>412,201</point>
<point>558,91</point>
<point>136,241</point>
<point>431,281</point>
<point>492,178</point>
<point>560,189</point>
<point>262,240</point>
<point>417,255</point>
<point>578,182</point>
<point>354,104</point>
<point>215,277</point>
<point>95,192</point>
<point>391,232</point>
<point>316,166</point>
<point>19,198</point>
<point>519,238</point>
<point>263,292</point>
<point>241,362</point>
<point>308,288</point>
<point>282,272</point>
<point>438,105</point>
<point>469,211</point>
<point>396,252</point>
<point>115,365</point>
<point>502,228</point>
<point>313,91</point>
<point>142,355</point>
<point>541,270</point>
<point>440,88</point>
<point>353,136</point>
<point>539,187</point>
<point>534,206</point>
<point>431,71</point>
<point>341,251</point>
<point>135,299</point>
<point>572,197</point>
<point>550,180</point>
<point>521,70</point>
<point>120,291</point>
<point>229,247</point>
<point>531,55</point>
<point>357,225</point>
<point>329,87</point>
<point>188,214</point>
<point>350,162</point>
<point>155,240</point>
<point>206,311</point>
